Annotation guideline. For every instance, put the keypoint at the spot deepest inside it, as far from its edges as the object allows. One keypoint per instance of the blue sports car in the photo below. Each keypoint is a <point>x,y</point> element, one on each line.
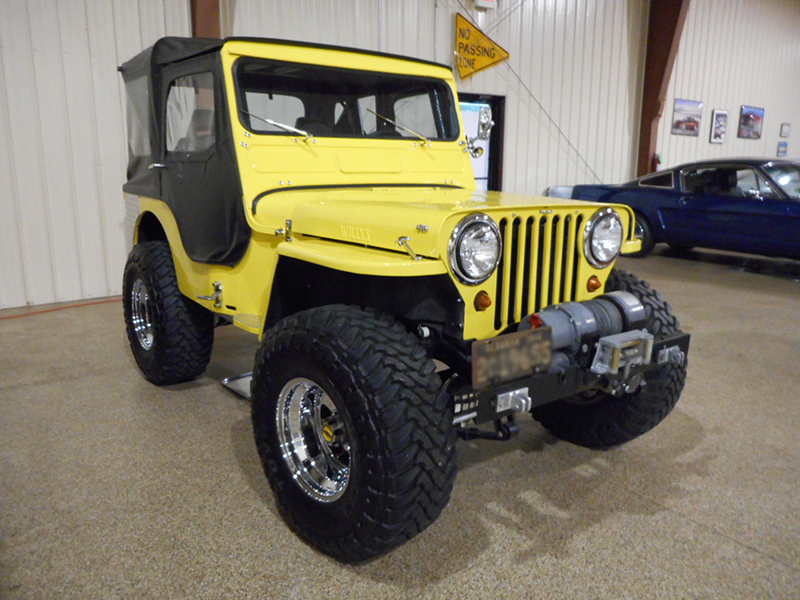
<point>741,204</point>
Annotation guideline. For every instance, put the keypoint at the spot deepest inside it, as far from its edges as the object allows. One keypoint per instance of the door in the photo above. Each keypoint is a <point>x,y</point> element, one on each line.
<point>487,167</point>
<point>730,207</point>
<point>199,177</point>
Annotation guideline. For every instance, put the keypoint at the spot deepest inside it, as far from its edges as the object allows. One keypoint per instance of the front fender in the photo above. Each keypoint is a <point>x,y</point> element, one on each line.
<point>359,260</point>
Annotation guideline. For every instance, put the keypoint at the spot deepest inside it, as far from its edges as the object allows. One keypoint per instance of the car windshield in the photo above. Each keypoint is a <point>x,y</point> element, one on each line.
<point>787,176</point>
<point>284,98</point>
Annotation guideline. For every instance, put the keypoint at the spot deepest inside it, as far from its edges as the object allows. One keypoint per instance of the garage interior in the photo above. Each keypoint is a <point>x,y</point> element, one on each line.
<point>113,488</point>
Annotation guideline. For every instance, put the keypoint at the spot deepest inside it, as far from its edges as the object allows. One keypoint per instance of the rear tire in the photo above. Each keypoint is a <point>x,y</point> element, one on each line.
<point>354,432</point>
<point>643,230</point>
<point>601,420</point>
<point>170,336</point>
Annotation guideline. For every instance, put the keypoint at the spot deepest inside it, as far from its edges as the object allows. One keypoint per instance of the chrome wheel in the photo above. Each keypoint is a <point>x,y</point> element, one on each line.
<point>141,314</point>
<point>313,439</point>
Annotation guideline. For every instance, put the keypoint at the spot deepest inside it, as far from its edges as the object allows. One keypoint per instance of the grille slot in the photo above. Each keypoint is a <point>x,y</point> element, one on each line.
<point>539,266</point>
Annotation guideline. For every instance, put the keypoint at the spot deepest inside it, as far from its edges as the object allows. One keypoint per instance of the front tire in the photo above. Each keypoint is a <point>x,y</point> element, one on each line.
<point>353,430</point>
<point>170,336</point>
<point>601,420</point>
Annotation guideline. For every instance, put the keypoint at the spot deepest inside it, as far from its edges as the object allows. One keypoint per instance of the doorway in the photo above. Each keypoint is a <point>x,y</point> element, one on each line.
<point>488,168</point>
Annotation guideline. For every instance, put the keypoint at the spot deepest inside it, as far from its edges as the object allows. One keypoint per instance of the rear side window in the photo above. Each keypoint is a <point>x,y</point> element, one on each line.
<point>138,113</point>
<point>660,180</point>
<point>190,114</point>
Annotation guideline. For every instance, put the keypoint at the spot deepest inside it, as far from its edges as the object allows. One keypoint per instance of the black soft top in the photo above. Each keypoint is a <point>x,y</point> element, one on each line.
<point>168,50</point>
<point>173,49</point>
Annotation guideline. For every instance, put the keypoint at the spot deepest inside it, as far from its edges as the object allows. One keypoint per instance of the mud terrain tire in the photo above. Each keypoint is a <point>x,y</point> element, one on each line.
<point>377,465</point>
<point>601,420</point>
<point>171,337</point>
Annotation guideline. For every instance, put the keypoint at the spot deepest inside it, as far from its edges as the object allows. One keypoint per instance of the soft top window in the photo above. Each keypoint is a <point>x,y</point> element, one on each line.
<point>190,114</point>
<point>138,113</point>
<point>334,102</point>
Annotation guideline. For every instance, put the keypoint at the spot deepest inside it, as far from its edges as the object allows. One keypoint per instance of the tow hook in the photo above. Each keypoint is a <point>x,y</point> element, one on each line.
<point>503,431</point>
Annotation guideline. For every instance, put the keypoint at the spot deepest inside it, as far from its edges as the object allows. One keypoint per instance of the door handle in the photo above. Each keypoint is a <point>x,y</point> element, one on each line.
<point>157,166</point>
<point>682,201</point>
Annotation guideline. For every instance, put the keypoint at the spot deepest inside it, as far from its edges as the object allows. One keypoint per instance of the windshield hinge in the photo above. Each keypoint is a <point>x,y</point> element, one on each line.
<point>403,242</point>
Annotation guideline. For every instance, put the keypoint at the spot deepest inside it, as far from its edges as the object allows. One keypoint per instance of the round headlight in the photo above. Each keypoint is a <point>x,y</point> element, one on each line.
<point>475,249</point>
<point>602,238</point>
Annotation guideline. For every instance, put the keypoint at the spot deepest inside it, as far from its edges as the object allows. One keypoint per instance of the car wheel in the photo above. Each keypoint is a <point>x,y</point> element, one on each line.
<point>601,420</point>
<point>644,231</point>
<point>170,336</point>
<point>354,432</point>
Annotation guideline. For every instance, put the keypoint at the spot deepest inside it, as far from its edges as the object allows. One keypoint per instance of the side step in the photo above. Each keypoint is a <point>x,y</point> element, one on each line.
<point>239,384</point>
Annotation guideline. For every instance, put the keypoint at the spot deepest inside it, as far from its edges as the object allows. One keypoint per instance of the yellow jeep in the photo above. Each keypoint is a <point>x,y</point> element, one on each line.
<point>323,199</point>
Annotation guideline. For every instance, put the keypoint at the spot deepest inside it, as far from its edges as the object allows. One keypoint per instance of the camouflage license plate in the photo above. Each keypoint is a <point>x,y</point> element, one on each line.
<point>510,356</point>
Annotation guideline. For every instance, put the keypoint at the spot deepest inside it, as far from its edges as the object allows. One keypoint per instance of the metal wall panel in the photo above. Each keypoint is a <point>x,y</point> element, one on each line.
<point>62,142</point>
<point>572,84</point>
<point>736,52</point>
<point>572,89</point>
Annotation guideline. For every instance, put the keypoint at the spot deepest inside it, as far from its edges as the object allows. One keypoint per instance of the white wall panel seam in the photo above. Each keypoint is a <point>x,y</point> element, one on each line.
<point>71,159</point>
<point>37,128</point>
<point>14,191</point>
<point>96,163</point>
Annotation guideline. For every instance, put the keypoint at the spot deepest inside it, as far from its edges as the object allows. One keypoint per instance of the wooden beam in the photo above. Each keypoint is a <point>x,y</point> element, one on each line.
<point>205,18</point>
<point>665,27</point>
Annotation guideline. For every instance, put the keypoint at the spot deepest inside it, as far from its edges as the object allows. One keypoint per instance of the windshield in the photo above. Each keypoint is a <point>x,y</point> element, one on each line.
<point>787,176</point>
<point>333,102</point>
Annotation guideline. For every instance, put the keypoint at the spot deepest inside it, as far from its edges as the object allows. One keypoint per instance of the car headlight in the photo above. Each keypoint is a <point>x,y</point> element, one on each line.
<point>475,249</point>
<point>602,238</point>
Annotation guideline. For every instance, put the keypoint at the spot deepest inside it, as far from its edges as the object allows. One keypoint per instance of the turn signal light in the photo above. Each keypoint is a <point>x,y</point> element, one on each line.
<point>594,283</point>
<point>482,301</point>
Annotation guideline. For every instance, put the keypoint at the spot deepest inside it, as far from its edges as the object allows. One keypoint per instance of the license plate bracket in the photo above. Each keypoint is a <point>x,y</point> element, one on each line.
<point>511,356</point>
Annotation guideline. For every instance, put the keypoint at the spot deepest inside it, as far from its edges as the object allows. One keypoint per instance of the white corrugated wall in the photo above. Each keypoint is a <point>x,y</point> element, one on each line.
<point>572,90</point>
<point>62,144</point>
<point>572,84</point>
<point>734,53</point>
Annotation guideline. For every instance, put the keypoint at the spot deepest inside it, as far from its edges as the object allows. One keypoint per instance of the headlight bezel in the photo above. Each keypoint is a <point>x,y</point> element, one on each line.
<point>588,235</point>
<point>455,238</point>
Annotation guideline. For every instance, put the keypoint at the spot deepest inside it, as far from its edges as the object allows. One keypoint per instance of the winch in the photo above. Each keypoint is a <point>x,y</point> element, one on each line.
<point>614,322</point>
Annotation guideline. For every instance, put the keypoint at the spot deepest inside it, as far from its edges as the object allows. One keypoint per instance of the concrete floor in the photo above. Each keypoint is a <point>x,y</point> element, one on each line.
<point>113,488</point>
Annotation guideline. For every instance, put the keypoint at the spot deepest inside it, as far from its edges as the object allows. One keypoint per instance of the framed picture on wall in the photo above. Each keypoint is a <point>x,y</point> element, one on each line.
<point>750,121</point>
<point>783,147</point>
<point>719,126</point>
<point>686,117</point>
<point>785,128</point>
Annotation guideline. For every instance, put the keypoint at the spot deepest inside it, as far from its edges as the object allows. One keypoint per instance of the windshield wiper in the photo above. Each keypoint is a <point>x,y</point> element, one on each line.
<point>396,124</point>
<point>288,128</point>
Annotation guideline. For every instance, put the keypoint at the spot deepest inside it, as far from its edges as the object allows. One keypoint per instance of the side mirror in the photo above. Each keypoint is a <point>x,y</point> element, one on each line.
<point>485,125</point>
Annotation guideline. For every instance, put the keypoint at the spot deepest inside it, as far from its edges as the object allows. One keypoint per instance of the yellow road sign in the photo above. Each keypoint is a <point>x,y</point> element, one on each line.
<point>474,50</point>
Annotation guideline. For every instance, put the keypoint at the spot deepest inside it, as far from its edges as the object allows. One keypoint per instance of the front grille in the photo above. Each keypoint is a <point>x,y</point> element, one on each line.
<point>539,266</point>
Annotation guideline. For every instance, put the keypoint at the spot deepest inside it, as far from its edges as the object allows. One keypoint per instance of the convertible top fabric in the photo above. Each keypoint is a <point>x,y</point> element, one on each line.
<point>207,204</point>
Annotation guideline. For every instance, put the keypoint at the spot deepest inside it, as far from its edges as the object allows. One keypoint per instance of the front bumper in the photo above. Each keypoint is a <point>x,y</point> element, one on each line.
<point>474,407</point>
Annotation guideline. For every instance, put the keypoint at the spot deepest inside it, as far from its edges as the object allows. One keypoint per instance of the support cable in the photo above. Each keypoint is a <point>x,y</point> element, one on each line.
<point>530,93</point>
